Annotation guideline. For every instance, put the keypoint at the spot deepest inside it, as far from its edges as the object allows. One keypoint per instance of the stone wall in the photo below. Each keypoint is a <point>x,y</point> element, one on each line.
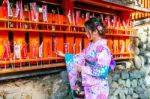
<point>54,86</point>
<point>131,79</point>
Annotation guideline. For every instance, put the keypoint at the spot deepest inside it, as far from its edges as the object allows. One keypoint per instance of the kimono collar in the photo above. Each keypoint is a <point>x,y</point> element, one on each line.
<point>101,42</point>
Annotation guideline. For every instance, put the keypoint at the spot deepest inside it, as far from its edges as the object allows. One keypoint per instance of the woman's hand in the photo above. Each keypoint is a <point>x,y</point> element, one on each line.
<point>59,53</point>
<point>79,67</point>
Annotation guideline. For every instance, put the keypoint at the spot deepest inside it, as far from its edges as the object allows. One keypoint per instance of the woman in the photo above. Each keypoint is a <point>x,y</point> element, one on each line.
<point>94,62</point>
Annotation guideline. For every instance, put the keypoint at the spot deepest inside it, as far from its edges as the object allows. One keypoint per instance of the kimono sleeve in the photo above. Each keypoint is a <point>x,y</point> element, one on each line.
<point>71,61</point>
<point>101,66</point>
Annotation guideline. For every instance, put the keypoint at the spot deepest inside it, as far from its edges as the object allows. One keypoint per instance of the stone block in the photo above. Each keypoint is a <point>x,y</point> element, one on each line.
<point>121,82</point>
<point>64,76</point>
<point>148,46</point>
<point>134,83</point>
<point>130,91</point>
<point>114,85</point>
<point>125,90</point>
<point>120,67</point>
<point>124,75</point>
<point>129,65</point>
<point>129,97</point>
<point>137,62</point>
<point>137,74</point>
<point>128,83</point>
<point>147,94</point>
<point>116,77</point>
<point>136,51</point>
<point>122,95</point>
<point>117,91</point>
<point>113,97</point>
<point>135,96</point>
<point>147,81</point>
<point>142,61</point>
<point>139,90</point>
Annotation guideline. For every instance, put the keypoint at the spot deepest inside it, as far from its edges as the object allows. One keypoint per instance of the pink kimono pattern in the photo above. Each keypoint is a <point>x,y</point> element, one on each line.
<point>96,61</point>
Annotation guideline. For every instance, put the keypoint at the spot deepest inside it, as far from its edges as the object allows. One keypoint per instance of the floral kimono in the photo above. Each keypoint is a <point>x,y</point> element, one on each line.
<point>96,61</point>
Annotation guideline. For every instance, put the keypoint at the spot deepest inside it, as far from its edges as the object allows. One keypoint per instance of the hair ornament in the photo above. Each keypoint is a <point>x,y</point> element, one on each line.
<point>99,28</point>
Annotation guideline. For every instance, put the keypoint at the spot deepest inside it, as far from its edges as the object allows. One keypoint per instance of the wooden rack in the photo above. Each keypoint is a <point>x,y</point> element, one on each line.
<point>11,66</point>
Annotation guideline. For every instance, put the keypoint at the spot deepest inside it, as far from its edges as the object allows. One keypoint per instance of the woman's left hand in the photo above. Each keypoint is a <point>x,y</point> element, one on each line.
<point>79,67</point>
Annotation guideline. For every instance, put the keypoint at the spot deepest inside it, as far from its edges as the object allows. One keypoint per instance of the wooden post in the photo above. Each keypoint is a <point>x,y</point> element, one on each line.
<point>68,5</point>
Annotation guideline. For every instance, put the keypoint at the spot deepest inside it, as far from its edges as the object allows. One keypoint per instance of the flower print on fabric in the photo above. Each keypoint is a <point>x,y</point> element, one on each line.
<point>96,61</point>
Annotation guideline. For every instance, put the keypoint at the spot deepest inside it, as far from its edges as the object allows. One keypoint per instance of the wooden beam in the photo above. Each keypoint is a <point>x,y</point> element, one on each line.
<point>113,5</point>
<point>32,68</point>
<point>68,5</point>
<point>54,2</point>
<point>92,8</point>
<point>105,4</point>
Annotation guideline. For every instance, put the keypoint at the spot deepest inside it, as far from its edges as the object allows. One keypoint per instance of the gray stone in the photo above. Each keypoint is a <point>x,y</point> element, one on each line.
<point>60,90</point>
<point>137,62</point>
<point>116,77</point>
<point>147,54</point>
<point>139,90</point>
<point>134,83</point>
<point>143,86</point>
<point>132,76</point>
<point>142,96</point>
<point>136,41</point>
<point>111,92</point>
<point>124,75</point>
<point>147,81</point>
<point>120,67</point>
<point>140,82</point>
<point>113,97</point>
<point>148,39</point>
<point>122,95</point>
<point>129,65</point>
<point>145,29</point>
<point>130,91</point>
<point>115,85</point>
<point>139,32</point>
<point>142,73</point>
<point>142,61</point>
<point>110,78</point>
<point>121,82</point>
<point>128,83</point>
<point>129,97</point>
<point>148,46</point>
<point>136,51</point>
<point>143,37</point>
<point>147,94</point>
<point>64,76</point>
<point>117,91</point>
<point>144,81</point>
<point>125,91</point>
<point>137,74</point>
<point>135,96</point>
<point>144,46</point>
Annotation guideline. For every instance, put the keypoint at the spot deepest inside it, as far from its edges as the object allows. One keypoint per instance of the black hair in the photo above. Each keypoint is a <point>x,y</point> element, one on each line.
<point>93,24</point>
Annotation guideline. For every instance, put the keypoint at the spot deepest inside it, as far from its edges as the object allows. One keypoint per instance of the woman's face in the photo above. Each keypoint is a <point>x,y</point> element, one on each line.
<point>89,34</point>
<point>92,35</point>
